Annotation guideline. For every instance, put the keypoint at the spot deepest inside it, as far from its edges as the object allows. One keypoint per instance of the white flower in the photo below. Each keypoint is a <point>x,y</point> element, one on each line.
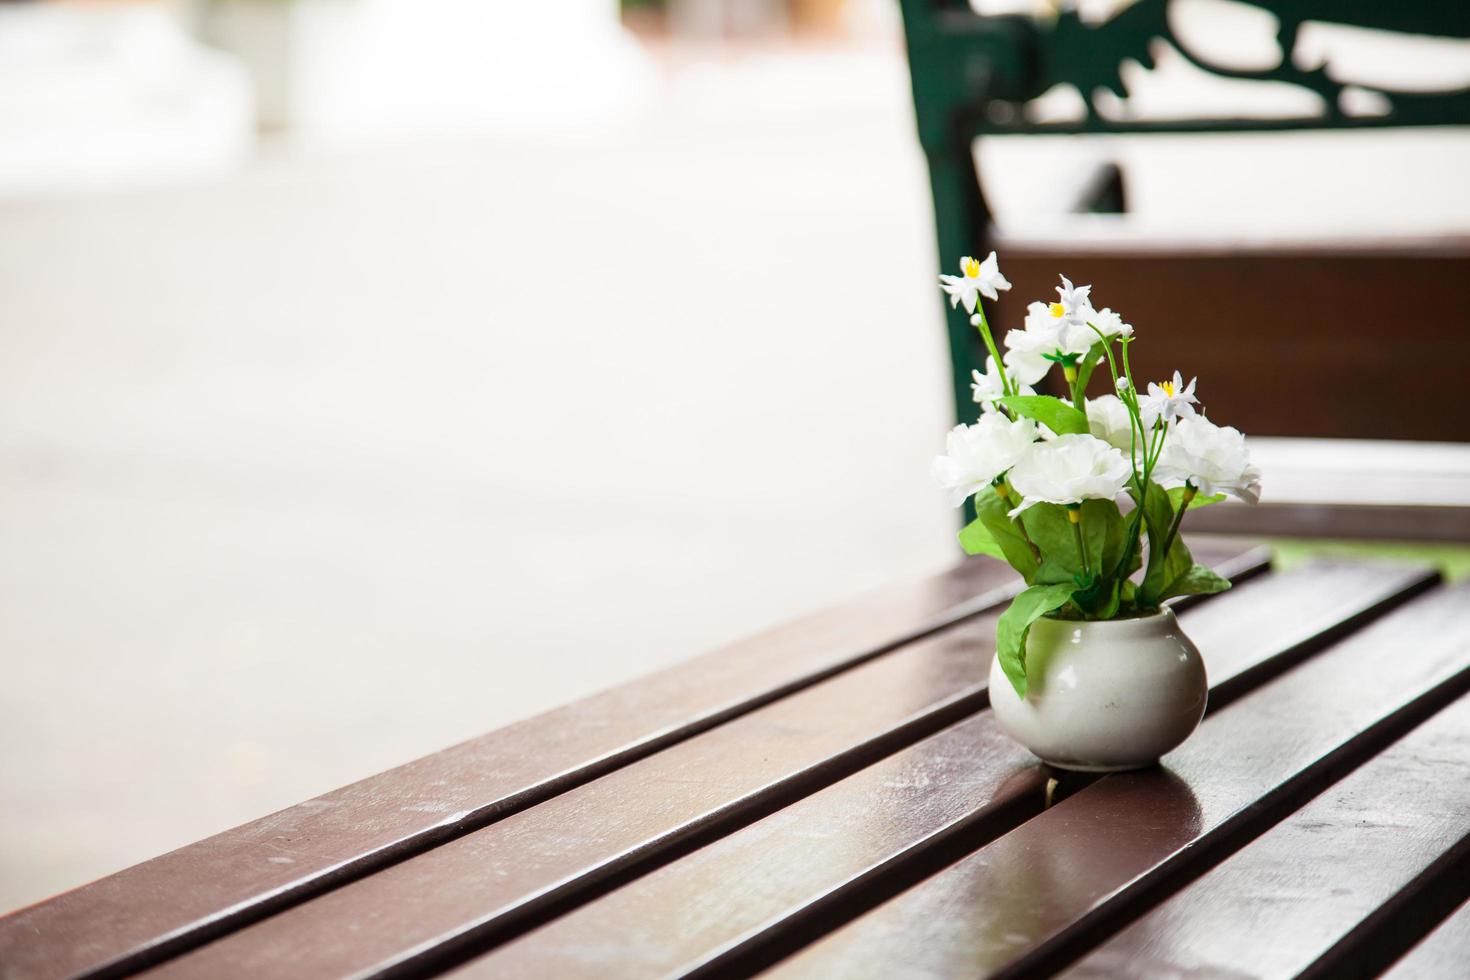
<point>1068,470</point>
<point>1121,384</point>
<point>1108,419</point>
<point>977,279</point>
<point>1109,324</point>
<point>988,386</point>
<point>1075,306</point>
<point>1213,458</point>
<point>1027,350</point>
<point>977,454</point>
<point>1167,400</point>
<point>1042,321</point>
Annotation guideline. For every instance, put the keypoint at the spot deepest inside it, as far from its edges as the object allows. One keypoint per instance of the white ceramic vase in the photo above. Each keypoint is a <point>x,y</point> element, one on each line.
<point>1104,696</point>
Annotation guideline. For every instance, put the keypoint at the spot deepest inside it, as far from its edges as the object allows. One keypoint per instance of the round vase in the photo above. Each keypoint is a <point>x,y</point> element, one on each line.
<point>1103,696</point>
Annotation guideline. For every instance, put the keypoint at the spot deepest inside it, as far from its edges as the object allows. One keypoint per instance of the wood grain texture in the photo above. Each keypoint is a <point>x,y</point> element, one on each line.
<point>523,865</point>
<point>1442,955</point>
<point>533,863</point>
<point>1047,892</point>
<point>182,898</point>
<point>1406,522</point>
<point>1320,891</point>
<point>185,898</point>
<point>858,838</point>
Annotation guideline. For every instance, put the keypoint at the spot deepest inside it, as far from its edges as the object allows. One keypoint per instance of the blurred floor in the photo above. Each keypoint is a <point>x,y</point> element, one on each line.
<point>311,471</point>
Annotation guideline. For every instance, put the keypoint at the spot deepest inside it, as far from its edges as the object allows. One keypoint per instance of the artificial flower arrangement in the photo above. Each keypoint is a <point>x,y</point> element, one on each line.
<point>1046,473</point>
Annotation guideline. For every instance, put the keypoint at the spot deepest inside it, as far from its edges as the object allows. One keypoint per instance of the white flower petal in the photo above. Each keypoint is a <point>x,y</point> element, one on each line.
<point>1109,419</point>
<point>977,454</point>
<point>1069,469</point>
<point>990,278</point>
<point>1213,458</point>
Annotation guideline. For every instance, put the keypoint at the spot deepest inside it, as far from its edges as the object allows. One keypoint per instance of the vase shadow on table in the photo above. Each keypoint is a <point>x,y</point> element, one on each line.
<point>1026,892</point>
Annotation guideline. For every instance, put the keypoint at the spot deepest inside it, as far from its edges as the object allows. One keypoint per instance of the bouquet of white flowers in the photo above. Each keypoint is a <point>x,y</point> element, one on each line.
<point>1046,474</point>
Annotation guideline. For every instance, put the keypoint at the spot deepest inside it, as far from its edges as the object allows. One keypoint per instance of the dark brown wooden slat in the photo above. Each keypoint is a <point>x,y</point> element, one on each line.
<point>1048,891</point>
<point>954,790</point>
<point>1329,889</point>
<point>146,912</point>
<point>1308,520</point>
<point>529,862</point>
<point>1443,955</point>
<point>511,870</point>
<point>184,898</point>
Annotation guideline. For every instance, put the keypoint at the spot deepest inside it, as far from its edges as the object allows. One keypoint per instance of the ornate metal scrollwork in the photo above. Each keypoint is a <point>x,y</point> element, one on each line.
<point>1090,56</point>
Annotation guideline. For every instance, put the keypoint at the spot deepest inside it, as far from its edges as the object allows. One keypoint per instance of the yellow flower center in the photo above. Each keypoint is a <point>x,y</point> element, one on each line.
<point>1168,388</point>
<point>1058,310</point>
<point>970,268</point>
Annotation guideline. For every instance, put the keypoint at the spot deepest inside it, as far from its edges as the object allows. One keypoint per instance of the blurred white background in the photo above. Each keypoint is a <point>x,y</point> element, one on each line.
<point>376,372</point>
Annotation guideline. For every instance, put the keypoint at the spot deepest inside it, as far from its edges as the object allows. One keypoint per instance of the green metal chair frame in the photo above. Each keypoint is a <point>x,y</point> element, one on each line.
<point>972,76</point>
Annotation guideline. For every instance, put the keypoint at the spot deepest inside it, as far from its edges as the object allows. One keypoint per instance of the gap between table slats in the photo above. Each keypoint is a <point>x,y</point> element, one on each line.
<point>182,899</point>
<point>1442,955</point>
<point>512,875</point>
<point>804,870</point>
<point>1338,889</point>
<point>1053,889</point>
<point>773,754</point>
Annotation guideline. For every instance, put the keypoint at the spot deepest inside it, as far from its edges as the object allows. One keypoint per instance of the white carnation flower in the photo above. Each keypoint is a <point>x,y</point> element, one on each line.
<point>977,454</point>
<point>1167,400</point>
<point>1068,470</point>
<point>976,279</point>
<point>1213,458</point>
<point>1109,420</point>
<point>990,386</point>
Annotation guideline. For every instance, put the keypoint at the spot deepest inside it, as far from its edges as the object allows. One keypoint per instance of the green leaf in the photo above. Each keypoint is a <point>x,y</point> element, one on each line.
<point>1105,531</point>
<point>1198,580</point>
<point>1176,494</point>
<point>1088,364</point>
<point>1054,413</point>
<point>976,539</point>
<point>993,512</point>
<point>1162,570</point>
<point>1048,527</point>
<point>1015,624</point>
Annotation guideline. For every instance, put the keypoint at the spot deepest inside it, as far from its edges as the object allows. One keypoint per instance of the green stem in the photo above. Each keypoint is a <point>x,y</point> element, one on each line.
<point>1156,448</point>
<point>1108,350</point>
<point>1074,517</point>
<point>1005,381</point>
<point>1135,436</point>
<point>1070,373</point>
<point>1132,395</point>
<point>1129,398</point>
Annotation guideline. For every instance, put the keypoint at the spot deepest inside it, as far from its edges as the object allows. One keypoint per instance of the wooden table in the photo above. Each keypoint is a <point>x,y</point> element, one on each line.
<point>832,799</point>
